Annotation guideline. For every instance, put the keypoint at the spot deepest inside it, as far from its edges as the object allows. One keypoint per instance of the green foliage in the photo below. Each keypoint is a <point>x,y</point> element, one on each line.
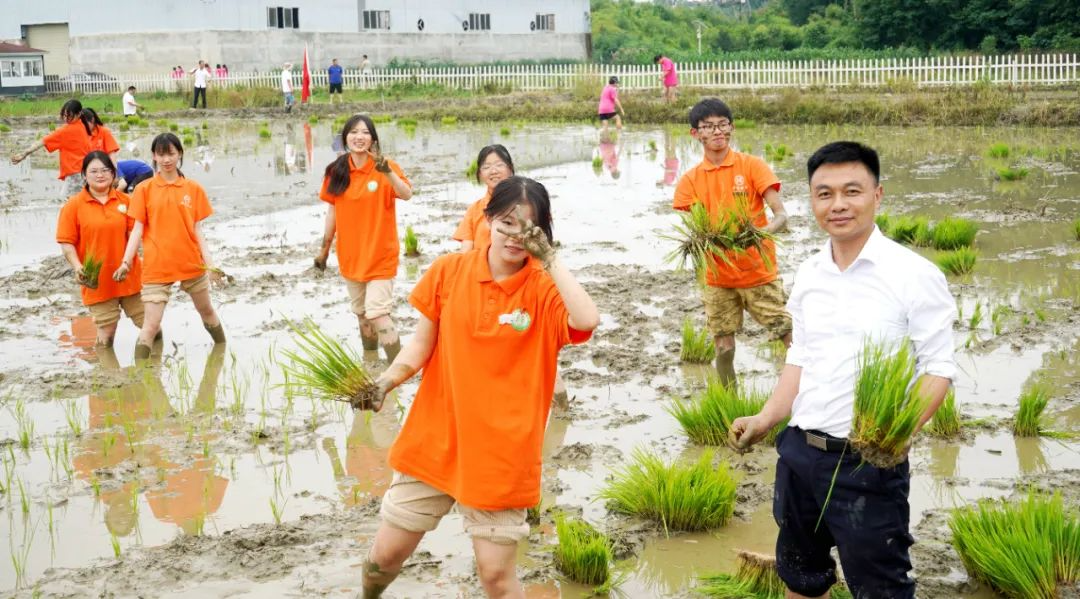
<point>678,496</point>
<point>325,367</point>
<point>1009,173</point>
<point>449,120</point>
<point>1033,401</point>
<point>886,411</point>
<point>998,150</point>
<point>4,128</point>
<point>1076,229</point>
<point>583,554</point>
<point>946,420</point>
<point>954,233</point>
<point>405,122</point>
<point>412,244</point>
<point>264,132</point>
<point>957,262</point>
<point>707,417</point>
<point>91,269</point>
<point>504,131</point>
<point>697,346</point>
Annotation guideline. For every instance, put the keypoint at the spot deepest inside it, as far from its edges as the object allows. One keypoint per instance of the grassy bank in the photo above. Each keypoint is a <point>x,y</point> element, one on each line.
<point>974,105</point>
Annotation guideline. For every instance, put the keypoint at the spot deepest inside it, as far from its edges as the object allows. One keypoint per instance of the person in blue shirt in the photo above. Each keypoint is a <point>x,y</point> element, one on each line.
<point>336,79</point>
<point>130,173</point>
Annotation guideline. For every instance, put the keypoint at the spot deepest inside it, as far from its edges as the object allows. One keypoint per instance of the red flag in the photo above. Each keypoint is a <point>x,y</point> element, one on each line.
<point>305,88</point>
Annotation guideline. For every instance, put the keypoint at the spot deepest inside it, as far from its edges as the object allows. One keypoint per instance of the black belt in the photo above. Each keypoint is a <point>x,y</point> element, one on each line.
<point>823,441</point>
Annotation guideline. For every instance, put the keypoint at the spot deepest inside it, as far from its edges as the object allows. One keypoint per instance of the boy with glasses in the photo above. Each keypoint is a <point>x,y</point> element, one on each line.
<point>725,181</point>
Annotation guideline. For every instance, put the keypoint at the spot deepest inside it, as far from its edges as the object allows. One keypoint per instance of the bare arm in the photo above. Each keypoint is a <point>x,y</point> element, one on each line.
<point>780,217</point>
<point>466,245</point>
<point>204,249</point>
<point>583,314</point>
<point>748,430</point>
<point>933,388</point>
<point>71,256</point>
<point>17,158</point>
<point>329,229</point>
<point>129,252</point>
<point>403,189</point>
<point>413,357</point>
<point>618,105</point>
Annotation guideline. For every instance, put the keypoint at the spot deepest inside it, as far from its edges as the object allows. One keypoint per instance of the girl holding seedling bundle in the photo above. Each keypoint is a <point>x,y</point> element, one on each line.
<point>93,231</point>
<point>361,188</point>
<point>73,141</point>
<point>491,324</point>
<point>168,212</point>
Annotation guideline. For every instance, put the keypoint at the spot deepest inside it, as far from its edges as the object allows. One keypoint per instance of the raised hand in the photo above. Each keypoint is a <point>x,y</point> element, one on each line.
<point>532,238</point>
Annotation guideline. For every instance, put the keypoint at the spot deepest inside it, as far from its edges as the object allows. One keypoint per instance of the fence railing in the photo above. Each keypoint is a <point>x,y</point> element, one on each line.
<point>935,71</point>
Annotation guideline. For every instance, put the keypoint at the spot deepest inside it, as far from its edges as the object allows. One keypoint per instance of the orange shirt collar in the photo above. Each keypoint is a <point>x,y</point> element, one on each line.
<point>87,197</point>
<point>509,284</point>
<point>159,180</point>
<point>369,164</point>
<point>729,160</point>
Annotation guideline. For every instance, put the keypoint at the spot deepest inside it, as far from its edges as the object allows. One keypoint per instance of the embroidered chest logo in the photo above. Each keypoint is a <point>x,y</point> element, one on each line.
<point>122,208</point>
<point>186,201</point>
<point>519,320</point>
<point>739,189</point>
<point>372,185</point>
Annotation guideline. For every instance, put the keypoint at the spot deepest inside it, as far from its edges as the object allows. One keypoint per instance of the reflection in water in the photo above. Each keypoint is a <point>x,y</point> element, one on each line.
<point>83,336</point>
<point>671,161</point>
<point>609,151</point>
<point>1030,455</point>
<point>944,455</point>
<point>366,473</point>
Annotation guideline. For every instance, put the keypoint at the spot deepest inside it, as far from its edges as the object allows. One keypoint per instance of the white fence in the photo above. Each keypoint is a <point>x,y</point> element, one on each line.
<point>1022,69</point>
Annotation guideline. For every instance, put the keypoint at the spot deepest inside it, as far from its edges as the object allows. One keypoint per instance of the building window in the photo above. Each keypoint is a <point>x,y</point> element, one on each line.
<point>282,17</point>
<point>378,19</point>
<point>545,22</point>
<point>27,67</point>
<point>479,21</point>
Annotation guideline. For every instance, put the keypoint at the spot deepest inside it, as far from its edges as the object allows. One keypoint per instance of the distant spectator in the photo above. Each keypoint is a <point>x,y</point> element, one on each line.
<point>365,65</point>
<point>131,107</point>
<point>218,72</point>
<point>669,77</point>
<point>132,172</point>
<point>336,79</point>
<point>202,77</point>
<point>286,86</point>
<point>225,70</point>
<point>178,72</point>
<point>609,103</point>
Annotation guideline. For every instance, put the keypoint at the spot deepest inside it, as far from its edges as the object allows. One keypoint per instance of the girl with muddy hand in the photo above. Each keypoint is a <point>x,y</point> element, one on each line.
<point>92,232</point>
<point>490,328</point>
<point>168,211</point>
<point>361,188</point>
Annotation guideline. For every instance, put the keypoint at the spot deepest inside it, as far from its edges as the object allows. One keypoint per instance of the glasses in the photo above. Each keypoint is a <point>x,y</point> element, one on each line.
<point>494,166</point>
<point>97,172</point>
<point>708,127</point>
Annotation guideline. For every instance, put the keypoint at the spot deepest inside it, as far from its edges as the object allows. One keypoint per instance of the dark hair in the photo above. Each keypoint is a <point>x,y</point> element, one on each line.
<point>100,156</point>
<point>613,80</point>
<point>143,176</point>
<point>706,108</point>
<point>840,152</point>
<point>217,66</point>
<point>131,88</point>
<point>70,109</point>
<point>497,149</point>
<point>165,142</point>
<point>338,170</point>
<point>519,190</point>
<point>657,57</point>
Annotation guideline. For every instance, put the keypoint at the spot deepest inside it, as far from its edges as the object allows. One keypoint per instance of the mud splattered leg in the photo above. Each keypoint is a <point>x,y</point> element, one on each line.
<point>725,359</point>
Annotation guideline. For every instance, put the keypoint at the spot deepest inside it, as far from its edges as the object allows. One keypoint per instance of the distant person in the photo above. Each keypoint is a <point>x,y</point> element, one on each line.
<point>202,77</point>
<point>132,172</point>
<point>225,70</point>
<point>336,79</point>
<point>365,64</point>
<point>177,72</point>
<point>218,72</point>
<point>669,77</point>
<point>286,86</point>
<point>609,153</point>
<point>73,141</point>
<point>131,107</point>
<point>671,161</point>
<point>609,101</point>
<point>101,138</point>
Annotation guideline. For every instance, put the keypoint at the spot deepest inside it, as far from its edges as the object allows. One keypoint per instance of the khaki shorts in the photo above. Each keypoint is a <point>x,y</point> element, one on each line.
<point>765,303</point>
<point>108,312</point>
<point>371,299</point>
<point>160,292</point>
<point>413,505</point>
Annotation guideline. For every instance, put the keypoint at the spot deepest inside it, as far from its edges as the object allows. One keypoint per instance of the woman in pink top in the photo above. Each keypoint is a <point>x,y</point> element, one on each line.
<point>669,77</point>
<point>609,101</point>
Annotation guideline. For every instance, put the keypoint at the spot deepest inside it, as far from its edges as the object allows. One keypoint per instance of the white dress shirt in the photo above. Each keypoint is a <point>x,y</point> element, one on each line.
<point>286,81</point>
<point>889,292</point>
<point>201,77</point>
<point>129,104</point>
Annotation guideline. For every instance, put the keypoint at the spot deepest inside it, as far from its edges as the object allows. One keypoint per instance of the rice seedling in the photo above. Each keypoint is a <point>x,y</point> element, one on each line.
<point>174,127</point>
<point>707,417</point>
<point>449,120</point>
<point>697,345</point>
<point>1076,229</point>
<point>946,420</point>
<point>1033,401</point>
<point>776,153</point>
<point>583,554</point>
<point>884,223</point>
<point>205,125</point>
<point>679,496</point>
<point>125,127</point>
<point>755,578</point>
<point>188,140</point>
<point>652,145</point>
<point>24,425</point>
<point>976,316</point>
<point>957,262</point>
<point>703,240</point>
<point>998,150</point>
<point>264,132</point>
<point>313,119</point>
<point>5,128</point>
<point>24,499</point>
<point>470,171</point>
<point>115,542</point>
<point>597,163</point>
<point>328,368</point>
<point>504,131</point>
<point>908,229</point>
<point>187,131</point>
<point>91,270</point>
<point>412,244</point>
<point>1008,173</point>
<point>406,122</point>
<point>379,118</point>
<point>745,123</point>
<point>998,316</point>
<point>954,233</point>
<point>886,412</point>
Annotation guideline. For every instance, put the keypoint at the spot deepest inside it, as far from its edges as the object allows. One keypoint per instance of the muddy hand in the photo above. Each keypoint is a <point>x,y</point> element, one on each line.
<point>80,278</point>
<point>381,164</point>
<point>533,238</point>
<point>320,262</point>
<point>121,272</point>
<point>744,432</point>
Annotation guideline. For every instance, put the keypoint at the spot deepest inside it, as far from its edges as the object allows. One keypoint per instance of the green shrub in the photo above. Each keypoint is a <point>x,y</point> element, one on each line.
<point>957,262</point>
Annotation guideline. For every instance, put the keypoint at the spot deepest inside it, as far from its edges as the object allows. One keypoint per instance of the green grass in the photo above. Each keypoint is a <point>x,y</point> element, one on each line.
<point>688,497</point>
<point>886,412</point>
<point>449,120</point>
<point>954,233</point>
<point>998,150</point>
<point>1024,548</point>
<point>707,417</point>
<point>957,262</point>
<point>327,368</point>
<point>264,132</point>
<point>946,420</point>
<point>1033,401</point>
<point>412,244</point>
<point>583,554</point>
<point>91,269</point>
<point>1008,173</point>
<point>697,345</point>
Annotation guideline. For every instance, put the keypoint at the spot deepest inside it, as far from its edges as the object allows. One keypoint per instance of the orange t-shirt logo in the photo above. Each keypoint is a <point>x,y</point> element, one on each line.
<point>186,201</point>
<point>372,186</point>
<point>519,320</point>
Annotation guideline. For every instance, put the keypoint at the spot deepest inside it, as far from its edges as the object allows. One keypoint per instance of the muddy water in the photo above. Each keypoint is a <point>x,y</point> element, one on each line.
<point>187,465</point>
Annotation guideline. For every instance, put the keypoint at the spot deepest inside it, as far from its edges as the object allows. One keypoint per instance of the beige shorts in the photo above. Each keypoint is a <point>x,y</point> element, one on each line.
<point>160,292</point>
<point>413,505</point>
<point>765,303</point>
<point>371,299</point>
<point>108,312</point>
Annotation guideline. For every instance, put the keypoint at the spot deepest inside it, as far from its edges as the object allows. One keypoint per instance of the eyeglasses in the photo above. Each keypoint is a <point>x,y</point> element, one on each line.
<point>494,166</point>
<point>709,127</point>
<point>95,172</point>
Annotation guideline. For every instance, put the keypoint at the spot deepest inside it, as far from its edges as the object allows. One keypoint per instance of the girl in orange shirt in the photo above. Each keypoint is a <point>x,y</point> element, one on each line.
<point>100,137</point>
<point>168,211</point>
<point>95,221</point>
<point>490,328</point>
<point>362,187</point>
<point>493,165</point>
<point>73,141</point>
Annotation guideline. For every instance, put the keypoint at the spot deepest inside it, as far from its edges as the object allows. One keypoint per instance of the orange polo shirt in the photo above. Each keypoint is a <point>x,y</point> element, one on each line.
<point>101,229</point>
<point>102,139</point>
<point>476,427</point>
<point>716,185</point>
<point>168,212</point>
<point>474,226</point>
<point>74,144</point>
<point>367,237</point>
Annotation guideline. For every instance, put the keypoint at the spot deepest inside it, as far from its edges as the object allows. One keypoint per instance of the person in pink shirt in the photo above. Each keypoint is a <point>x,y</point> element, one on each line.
<point>609,102</point>
<point>669,77</point>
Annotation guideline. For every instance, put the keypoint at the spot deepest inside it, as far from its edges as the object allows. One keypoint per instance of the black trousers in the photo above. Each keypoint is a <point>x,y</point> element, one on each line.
<point>866,519</point>
<point>199,91</point>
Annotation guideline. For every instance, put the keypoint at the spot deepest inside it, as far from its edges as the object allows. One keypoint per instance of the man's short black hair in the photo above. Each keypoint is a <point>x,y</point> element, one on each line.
<point>840,152</point>
<point>131,88</point>
<point>707,108</point>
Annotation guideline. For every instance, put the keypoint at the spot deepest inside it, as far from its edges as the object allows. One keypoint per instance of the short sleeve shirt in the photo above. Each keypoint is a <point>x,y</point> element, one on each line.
<point>607,99</point>
<point>671,77</point>
<point>129,104</point>
<point>74,144</point>
<point>169,212</point>
<point>201,77</point>
<point>476,427</point>
<point>740,178</point>
<point>101,230</point>
<point>335,73</point>
<point>102,139</point>
<point>474,226</point>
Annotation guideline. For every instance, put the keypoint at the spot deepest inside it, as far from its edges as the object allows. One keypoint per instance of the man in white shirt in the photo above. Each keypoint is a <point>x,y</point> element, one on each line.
<point>202,76</point>
<point>131,107</point>
<point>861,285</point>
<point>286,86</point>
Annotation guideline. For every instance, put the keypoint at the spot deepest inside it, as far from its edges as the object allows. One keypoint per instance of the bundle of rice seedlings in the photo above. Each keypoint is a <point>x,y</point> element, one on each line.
<point>1008,173</point>
<point>449,120</point>
<point>91,270</point>
<point>946,420</point>
<point>954,233</point>
<point>470,171</point>
<point>597,163</point>
<point>884,223</point>
<point>1028,421</point>
<point>678,496</point>
<point>1076,229</point>
<point>908,229</point>
<point>998,150</point>
<point>957,262</point>
<point>328,368</point>
<point>756,578</point>
<point>745,123</point>
<point>697,345</point>
<point>886,411</point>
<point>264,132</point>
<point>381,118</point>
<point>584,554</point>
<point>412,244</point>
<point>504,131</point>
<point>1021,549</point>
<point>708,416</point>
<point>703,239</point>
<point>224,275</point>
<point>406,122</point>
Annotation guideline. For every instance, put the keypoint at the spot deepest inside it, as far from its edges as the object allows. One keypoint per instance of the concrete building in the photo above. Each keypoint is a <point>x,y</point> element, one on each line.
<point>152,36</point>
<point>21,70</point>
